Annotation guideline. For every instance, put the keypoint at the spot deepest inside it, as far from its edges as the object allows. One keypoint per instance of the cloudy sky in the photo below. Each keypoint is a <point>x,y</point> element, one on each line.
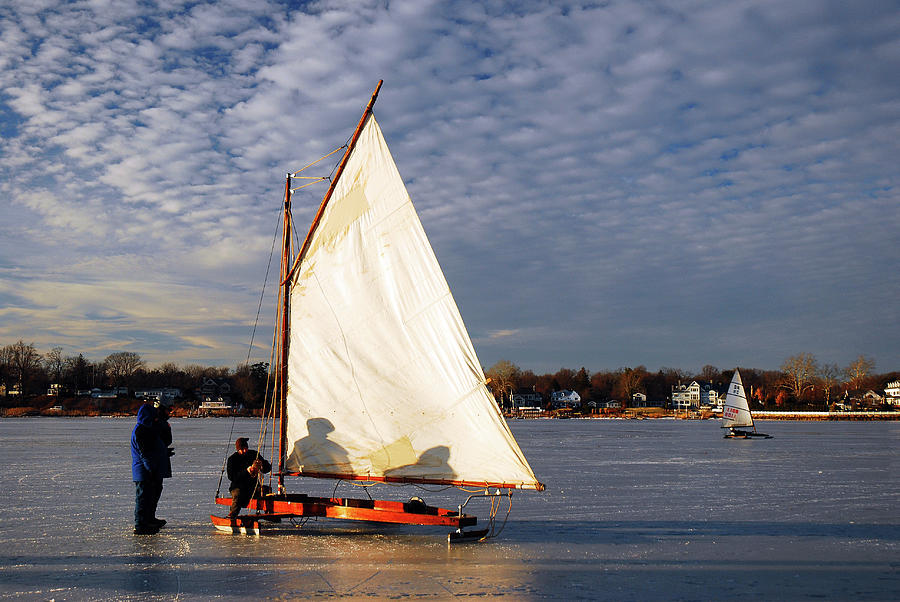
<point>605,184</point>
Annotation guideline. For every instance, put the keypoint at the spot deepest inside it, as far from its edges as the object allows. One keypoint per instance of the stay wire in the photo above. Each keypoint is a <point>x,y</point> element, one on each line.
<point>274,398</point>
<point>250,349</point>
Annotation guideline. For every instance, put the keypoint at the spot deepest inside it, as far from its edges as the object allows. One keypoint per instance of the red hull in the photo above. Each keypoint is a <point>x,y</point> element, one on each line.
<point>381,511</point>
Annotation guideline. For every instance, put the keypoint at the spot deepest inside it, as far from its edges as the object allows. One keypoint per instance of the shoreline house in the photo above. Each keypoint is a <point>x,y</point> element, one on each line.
<point>860,399</point>
<point>214,389</point>
<point>686,397</point>
<point>711,398</point>
<point>98,393</point>
<point>215,406</point>
<point>639,400</point>
<point>527,400</point>
<point>214,395</point>
<point>58,390</point>
<point>871,398</point>
<point>565,400</point>
<point>892,393</point>
<point>164,395</point>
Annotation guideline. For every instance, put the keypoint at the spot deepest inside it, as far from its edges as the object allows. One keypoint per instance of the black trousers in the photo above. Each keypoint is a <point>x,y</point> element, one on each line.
<point>146,498</point>
<point>240,497</point>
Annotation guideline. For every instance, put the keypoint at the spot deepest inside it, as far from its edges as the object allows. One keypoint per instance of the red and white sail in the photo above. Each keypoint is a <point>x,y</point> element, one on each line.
<point>737,411</point>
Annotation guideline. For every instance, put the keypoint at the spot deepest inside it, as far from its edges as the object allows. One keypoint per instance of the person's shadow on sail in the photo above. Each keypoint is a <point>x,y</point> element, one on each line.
<point>316,453</point>
<point>433,463</point>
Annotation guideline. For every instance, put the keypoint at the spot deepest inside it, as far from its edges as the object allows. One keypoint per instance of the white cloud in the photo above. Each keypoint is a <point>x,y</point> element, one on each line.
<point>598,181</point>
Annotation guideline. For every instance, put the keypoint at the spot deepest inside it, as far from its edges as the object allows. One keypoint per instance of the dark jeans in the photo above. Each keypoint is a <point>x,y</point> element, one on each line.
<point>146,497</point>
<point>240,497</point>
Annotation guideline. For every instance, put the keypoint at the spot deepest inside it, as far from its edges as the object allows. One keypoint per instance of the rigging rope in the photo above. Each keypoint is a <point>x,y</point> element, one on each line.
<point>316,179</point>
<point>264,422</point>
<point>250,351</point>
<point>340,148</point>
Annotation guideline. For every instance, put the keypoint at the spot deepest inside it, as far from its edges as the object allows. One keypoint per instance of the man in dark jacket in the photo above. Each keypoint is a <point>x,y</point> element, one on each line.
<point>244,467</point>
<point>150,464</point>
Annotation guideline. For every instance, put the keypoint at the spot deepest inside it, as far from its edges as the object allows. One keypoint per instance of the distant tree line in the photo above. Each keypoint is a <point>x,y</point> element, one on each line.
<point>27,372</point>
<point>801,383</point>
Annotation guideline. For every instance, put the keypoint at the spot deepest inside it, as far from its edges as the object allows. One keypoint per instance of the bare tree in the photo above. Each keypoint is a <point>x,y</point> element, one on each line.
<point>565,379</point>
<point>799,373</point>
<point>603,385</point>
<point>169,370</point>
<point>53,363</point>
<point>709,373</point>
<point>504,376</point>
<point>5,364</point>
<point>251,382</point>
<point>858,370</point>
<point>198,373</point>
<point>120,366</point>
<point>630,382</point>
<point>23,361</point>
<point>830,377</point>
<point>671,376</point>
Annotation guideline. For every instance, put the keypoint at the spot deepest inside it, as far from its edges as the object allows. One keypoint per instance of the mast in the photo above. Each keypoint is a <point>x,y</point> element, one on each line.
<point>287,270</point>
<point>334,181</point>
<point>281,382</point>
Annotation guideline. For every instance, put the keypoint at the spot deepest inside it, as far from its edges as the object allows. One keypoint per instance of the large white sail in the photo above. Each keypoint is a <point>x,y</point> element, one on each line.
<point>383,381</point>
<point>737,410</point>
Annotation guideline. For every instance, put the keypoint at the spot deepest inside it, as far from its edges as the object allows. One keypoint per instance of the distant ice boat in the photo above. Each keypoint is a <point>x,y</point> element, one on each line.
<point>736,415</point>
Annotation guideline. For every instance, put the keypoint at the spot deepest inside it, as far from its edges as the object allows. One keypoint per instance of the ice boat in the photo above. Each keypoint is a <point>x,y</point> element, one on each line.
<point>376,377</point>
<point>736,416</point>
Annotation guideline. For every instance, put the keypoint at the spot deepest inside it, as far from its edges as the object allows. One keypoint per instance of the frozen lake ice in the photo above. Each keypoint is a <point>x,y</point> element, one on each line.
<point>634,510</point>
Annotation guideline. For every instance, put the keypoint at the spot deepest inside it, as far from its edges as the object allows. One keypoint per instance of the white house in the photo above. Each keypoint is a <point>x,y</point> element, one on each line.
<point>98,393</point>
<point>710,397</point>
<point>892,393</point>
<point>164,395</point>
<point>870,397</point>
<point>215,405</point>
<point>57,389</point>
<point>685,397</point>
<point>565,399</point>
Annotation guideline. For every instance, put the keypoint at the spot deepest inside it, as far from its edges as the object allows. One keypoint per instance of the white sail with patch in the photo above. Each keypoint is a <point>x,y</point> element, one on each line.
<point>383,381</point>
<point>376,378</point>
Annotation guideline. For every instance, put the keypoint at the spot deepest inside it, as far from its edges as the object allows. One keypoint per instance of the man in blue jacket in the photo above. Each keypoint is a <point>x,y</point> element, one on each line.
<point>150,464</point>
